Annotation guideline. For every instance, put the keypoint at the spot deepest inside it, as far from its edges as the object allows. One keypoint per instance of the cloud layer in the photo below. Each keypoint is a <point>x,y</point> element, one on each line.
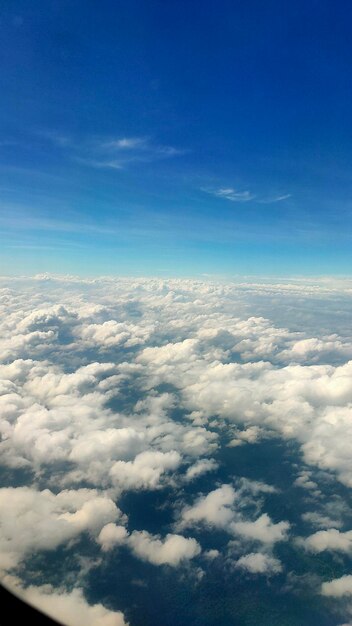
<point>112,387</point>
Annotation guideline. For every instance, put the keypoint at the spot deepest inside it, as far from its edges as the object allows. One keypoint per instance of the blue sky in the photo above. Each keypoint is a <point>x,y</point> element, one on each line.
<point>176,138</point>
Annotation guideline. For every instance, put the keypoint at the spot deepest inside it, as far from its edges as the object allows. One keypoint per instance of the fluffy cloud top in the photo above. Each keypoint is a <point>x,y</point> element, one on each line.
<point>111,535</point>
<point>171,551</point>
<point>71,608</point>
<point>338,587</point>
<point>262,529</point>
<point>215,508</point>
<point>331,539</point>
<point>146,469</point>
<point>113,385</point>
<point>32,520</point>
<point>199,468</point>
<point>259,563</point>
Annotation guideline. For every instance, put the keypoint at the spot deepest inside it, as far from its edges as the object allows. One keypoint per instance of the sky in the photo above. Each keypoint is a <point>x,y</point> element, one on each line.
<point>175,138</point>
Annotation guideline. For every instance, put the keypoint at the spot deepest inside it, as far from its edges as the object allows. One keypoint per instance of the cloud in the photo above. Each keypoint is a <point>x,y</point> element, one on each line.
<point>305,482</point>
<point>222,508</point>
<point>171,551</point>
<point>111,535</point>
<point>338,587</point>
<point>321,521</point>
<point>102,164</point>
<point>259,563</point>
<point>110,152</point>
<point>111,334</point>
<point>255,487</point>
<point>331,539</point>
<point>145,471</point>
<point>120,152</point>
<point>268,390</point>
<point>125,143</point>
<point>110,386</point>
<point>262,530</point>
<point>211,554</point>
<point>199,468</point>
<point>32,520</point>
<point>229,193</point>
<point>252,434</point>
<point>71,608</point>
<point>214,509</point>
<point>273,199</point>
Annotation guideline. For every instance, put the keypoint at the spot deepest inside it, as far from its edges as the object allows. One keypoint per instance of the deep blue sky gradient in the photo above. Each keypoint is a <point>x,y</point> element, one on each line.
<point>176,138</point>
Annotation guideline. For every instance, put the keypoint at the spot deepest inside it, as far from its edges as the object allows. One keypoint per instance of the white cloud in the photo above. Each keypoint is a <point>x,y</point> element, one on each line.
<point>200,467</point>
<point>133,384</point>
<point>265,391</point>
<point>321,521</point>
<point>338,587</point>
<point>304,481</point>
<point>229,193</point>
<point>214,509</point>
<point>331,539</point>
<point>32,520</point>
<point>273,199</point>
<point>211,554</point>
<point>259,563</point>
<point>126,143</point>
<point>171,551</point>
<point>111,535</point>
<point>71,608</point>
<point>255,487</point>
<point>118,153</point>
<point>145,471</point>
<point>99,152</point>
<point>262,529</point>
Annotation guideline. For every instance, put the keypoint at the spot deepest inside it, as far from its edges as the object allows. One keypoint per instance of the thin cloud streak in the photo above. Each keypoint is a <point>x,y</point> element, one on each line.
<point>275,199</point>
<point>229,193</point>
<point>111,152</point>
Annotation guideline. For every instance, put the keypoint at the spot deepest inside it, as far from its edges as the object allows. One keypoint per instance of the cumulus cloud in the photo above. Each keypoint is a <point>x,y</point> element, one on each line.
<point>221,508</point>
<point>304,480</point>
<point>262,529</point>
<point>122,385</point>
<point>32,520</point>
<point>321,521</point>
<point>259,563</point>
<point>111,334</point>
<point>145,471</point>
<point>71,608</point>
<point>200,467</point>
<point>111,535</point>
<point>338,587</point>
<point>214,509</point>
<point>255,487</point>
<point>211,554</point>
<point>171,551</point>
<point>252,434</point>
<point>331,539</point>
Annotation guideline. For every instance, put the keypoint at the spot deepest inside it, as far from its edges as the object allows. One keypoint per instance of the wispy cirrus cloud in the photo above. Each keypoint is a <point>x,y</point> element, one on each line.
<point>235,195</point>
<point>126,143</point>
<point>229,193</point>
<point>113,164</point>
<point>112,152</point>
<point>273,199</point>
<point>120,152</point>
